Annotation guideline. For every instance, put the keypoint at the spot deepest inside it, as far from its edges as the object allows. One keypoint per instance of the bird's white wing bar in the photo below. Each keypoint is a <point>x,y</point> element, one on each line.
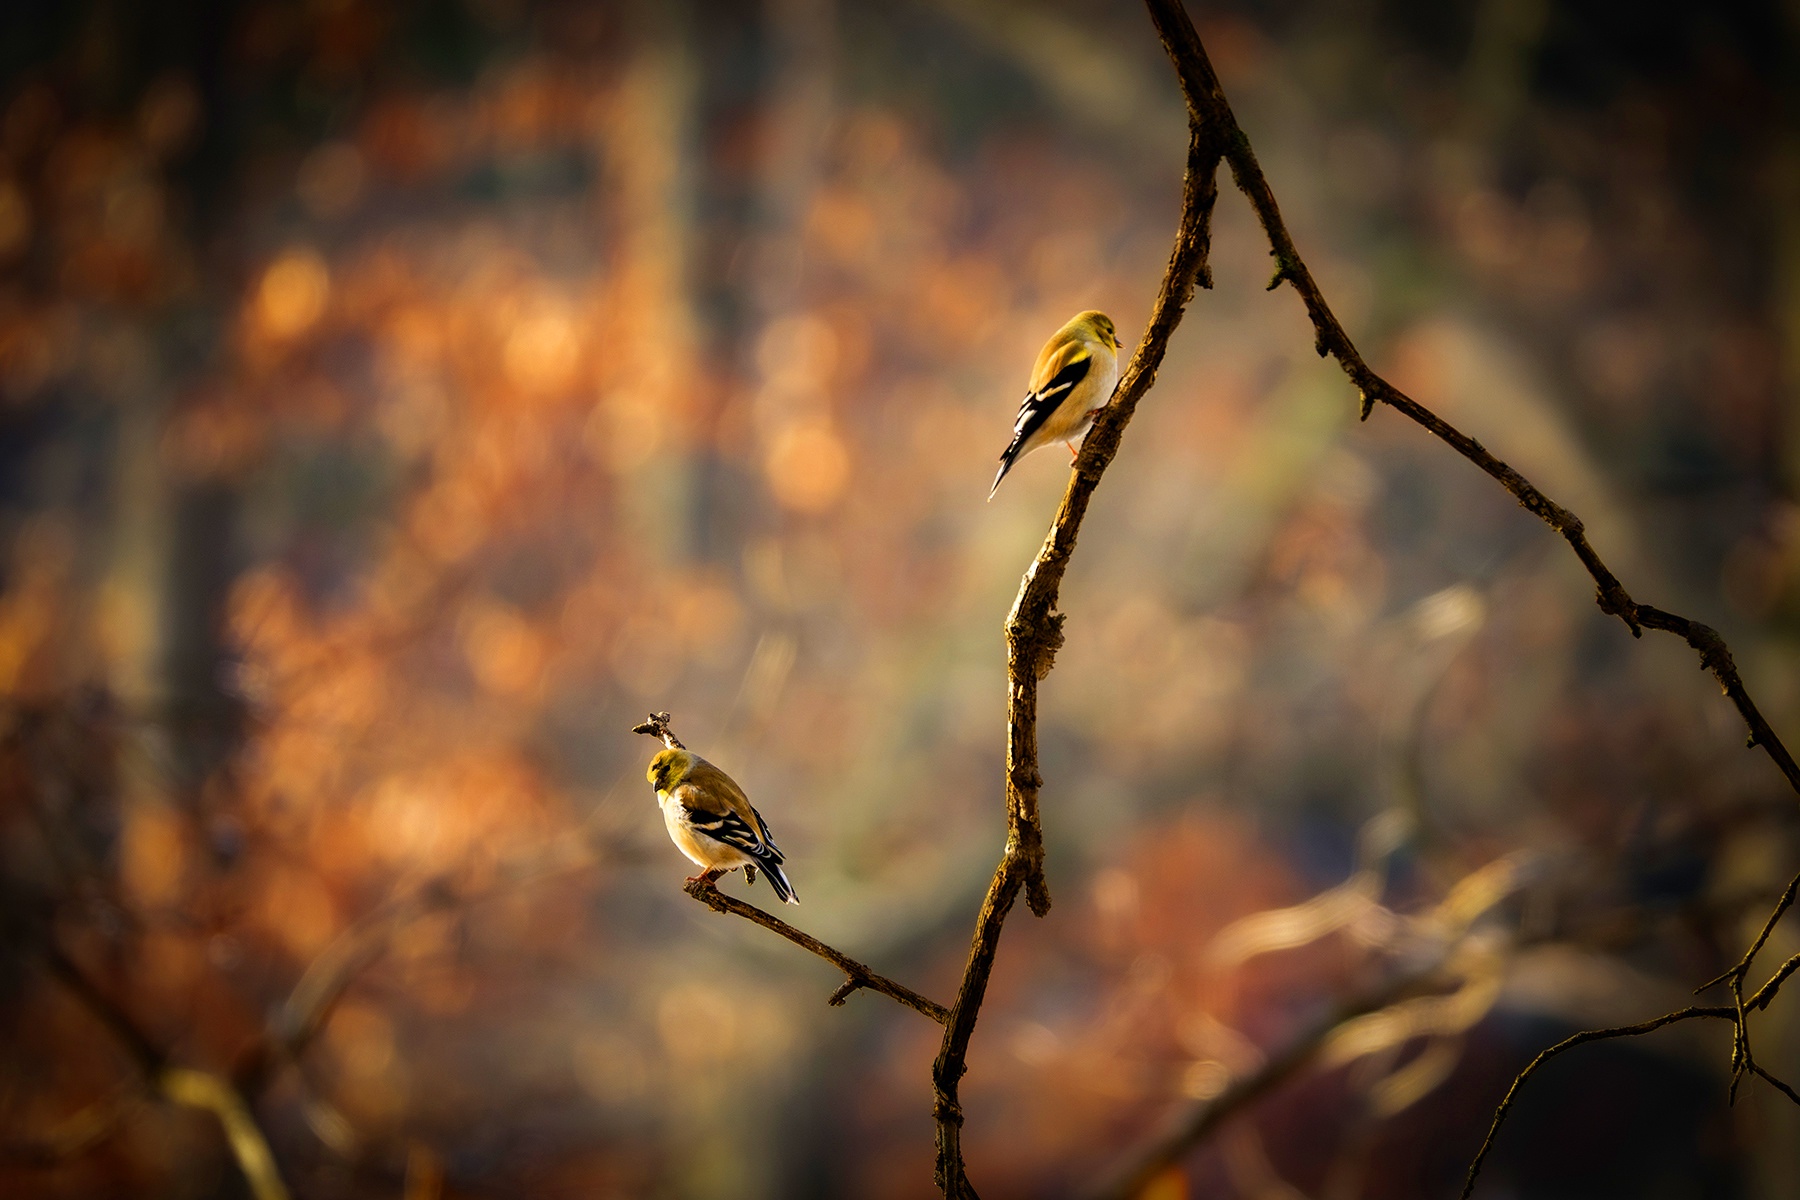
<point>1040,404</point>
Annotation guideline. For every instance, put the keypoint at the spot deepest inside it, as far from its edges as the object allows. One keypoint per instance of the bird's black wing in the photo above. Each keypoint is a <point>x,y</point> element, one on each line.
<point>1038,405</point>
<point>1036,410</point>
<point>732,830</point>
<point>767,839</point>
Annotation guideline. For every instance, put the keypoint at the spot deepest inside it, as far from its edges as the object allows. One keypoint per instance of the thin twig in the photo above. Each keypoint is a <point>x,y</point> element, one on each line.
<point>1783,1088</point>
<point>856,975</point>
<point>1742,969</point>
<point>1721,1012</point>
<point>1767,991</point>
<point>657,726</point>
<point>1743,1062</point>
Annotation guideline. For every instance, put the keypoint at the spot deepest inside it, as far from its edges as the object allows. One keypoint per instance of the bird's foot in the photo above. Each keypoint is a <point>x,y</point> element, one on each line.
<point>1072,453</point>
<point>706,878</point>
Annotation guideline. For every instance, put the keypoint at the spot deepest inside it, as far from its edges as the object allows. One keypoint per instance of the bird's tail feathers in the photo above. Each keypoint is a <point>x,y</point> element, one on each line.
<point>784,891</point>
<point>1006,464</point>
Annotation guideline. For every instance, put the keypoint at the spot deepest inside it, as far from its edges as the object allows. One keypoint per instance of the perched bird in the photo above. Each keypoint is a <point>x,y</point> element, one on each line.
<point>1073,380</point>
<point>710,820</point>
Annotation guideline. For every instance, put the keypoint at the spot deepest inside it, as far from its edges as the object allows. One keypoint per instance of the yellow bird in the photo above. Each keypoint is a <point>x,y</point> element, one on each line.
<point>1073,381</point>
<point>712,822</point>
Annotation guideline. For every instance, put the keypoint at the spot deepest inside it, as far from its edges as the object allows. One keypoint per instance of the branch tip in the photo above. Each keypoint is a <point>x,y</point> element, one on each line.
<point>657,726</point>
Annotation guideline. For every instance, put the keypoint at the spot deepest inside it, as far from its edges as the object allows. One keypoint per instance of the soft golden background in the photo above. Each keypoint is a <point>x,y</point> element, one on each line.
<point>399,399</point>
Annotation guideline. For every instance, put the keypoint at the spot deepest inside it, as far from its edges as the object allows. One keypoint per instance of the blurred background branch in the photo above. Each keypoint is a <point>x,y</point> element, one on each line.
<point>180,1085</point>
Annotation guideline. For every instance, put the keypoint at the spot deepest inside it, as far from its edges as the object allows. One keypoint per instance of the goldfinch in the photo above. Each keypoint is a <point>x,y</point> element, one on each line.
<point>711,821</point>
<point>1073,380</point>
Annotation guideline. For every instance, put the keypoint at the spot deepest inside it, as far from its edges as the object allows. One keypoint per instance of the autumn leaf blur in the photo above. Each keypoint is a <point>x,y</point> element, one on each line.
<point>397,401</point>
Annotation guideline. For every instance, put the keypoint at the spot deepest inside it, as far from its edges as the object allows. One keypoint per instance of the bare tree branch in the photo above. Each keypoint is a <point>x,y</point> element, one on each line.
<point>1783,1088</point>
<point>1742,968</point>
<point>1034,634</point>
<point>202,1089</point>
<point>1330,339</point>
<point>857,976</point>
<point>1723,1012</point>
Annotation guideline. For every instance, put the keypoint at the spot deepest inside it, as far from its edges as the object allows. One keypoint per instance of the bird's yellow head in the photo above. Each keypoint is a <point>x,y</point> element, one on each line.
<point>669,768</point>
<point>1096,326</point>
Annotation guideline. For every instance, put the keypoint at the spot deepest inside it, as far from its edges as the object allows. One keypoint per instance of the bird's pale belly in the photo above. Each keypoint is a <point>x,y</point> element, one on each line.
<point>699,848</point>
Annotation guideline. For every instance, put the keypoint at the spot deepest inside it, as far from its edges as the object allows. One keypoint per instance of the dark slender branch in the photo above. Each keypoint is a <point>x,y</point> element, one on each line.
<point>1777,1084</point>
<point>145,1055</point>
<point>1034,634</point>
<point>856,975</point>
<point>1208,104</point>
<point>1721,1012</point>
<point>1331,340</point>
<point>1767,991</point>
<point>1194,1125</point>
<point>1742,969</point>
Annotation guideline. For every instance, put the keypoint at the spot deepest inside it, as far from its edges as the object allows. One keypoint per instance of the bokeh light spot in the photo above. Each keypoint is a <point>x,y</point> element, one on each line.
<point>808,467</point>
<point>293,294</point>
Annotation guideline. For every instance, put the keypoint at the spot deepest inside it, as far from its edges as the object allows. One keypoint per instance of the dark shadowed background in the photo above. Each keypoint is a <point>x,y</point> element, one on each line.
<point>400,399</point>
